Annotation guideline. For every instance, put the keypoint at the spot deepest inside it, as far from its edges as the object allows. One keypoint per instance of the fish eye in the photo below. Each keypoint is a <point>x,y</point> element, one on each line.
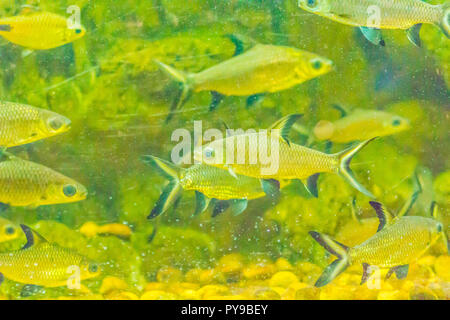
<point>312,3</point>
<point>396,122</point>
<point>316,64</point>
<point>209,153</point>
<point>78,31</point>
<point>440,227</point>
<point>69,190</point>
<point>10,230</point>
<point>93,268</point>
<point>55,123</point>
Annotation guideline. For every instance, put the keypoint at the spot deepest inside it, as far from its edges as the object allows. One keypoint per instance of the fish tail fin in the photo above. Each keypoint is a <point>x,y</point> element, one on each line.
<point>172,191</point>
<point>444,23</point>
<point>344,170</point>
<point>181,78</point>
<point>335,248</point>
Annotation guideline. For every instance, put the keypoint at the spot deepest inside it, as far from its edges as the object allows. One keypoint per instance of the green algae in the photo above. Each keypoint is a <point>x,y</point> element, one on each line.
<point>117,99</point>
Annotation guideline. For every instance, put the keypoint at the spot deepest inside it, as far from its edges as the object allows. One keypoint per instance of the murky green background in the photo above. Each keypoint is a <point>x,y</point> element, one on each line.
<point>117,100</point>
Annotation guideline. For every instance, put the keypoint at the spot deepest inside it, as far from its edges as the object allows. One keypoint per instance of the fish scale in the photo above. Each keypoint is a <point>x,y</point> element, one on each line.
<point>399,14</point>
<point>24,183</point>
<point>220,184</point>
<point>22,124</point>
<point>398,244</point>
<point>39,30</point>
<point>47,264</point>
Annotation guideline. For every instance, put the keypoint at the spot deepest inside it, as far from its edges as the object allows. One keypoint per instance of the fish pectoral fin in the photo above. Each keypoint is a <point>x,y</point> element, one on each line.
<point>217,98</point>
<point>373,35</point>
<point>413,35</point>
<point>401,272</point>
<point>238,206</point>
<point>202,203</point>
<point>33,238</point>
<point>355,211</point>
<point>311,185</point>
<point>383,215</point>
<point>367,272</point>
<point>284,126</point>
<point>220,207</point>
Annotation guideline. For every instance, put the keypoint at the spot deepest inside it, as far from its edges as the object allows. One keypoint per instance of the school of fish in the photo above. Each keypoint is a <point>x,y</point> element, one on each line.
<point>217,181</point>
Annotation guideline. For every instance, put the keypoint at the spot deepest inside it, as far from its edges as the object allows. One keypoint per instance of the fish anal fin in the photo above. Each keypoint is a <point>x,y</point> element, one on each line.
<point>238,206</point>
<point>217,98</point>
<point>253,99</point>
<point>400,271</point>
<point>383,215</point>
<point>373,35</point>
<point>413,34</point>
<point>271,187</point>
<point>33,238</point>
<point>202,203</point>
<point>311,185</point>
<point>220,207</point>
<point>366,273</point>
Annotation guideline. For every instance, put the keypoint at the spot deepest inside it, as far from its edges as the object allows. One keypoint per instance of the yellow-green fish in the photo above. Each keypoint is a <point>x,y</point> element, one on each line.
<point>397,243</point>
<point>27,184</point>
<point>45,264</point>
<point>360,125</point>
<point>269,154</point>
<point>39,30</point>
<point>373,15</point>
<point>21,124</point>
<point>8,231</point>
<point>208,183</point>
<point>262,69</point>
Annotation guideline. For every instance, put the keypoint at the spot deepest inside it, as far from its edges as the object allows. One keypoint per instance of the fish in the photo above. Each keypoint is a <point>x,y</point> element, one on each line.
<point>292,161</point>
<point>373,15</point>
<point>45,264</point>
<point>260,70</point>
<point>91,229</point>
<point>28,184</point>
<point>399,241</point>
<point>22,124</point>
<point>38,30</point>
<point>360,125</point>
<point>8,230</point>
<point>208,183</point>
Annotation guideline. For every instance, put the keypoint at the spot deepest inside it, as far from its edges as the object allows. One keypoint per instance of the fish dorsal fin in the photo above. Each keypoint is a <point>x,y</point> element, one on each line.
<point>434,211</point>
<point>33,238</point>
<point>344,111</point>
<point>413,199</point>
<point>383,214</point>
<point>28,9</point>
<point>285,125</point>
